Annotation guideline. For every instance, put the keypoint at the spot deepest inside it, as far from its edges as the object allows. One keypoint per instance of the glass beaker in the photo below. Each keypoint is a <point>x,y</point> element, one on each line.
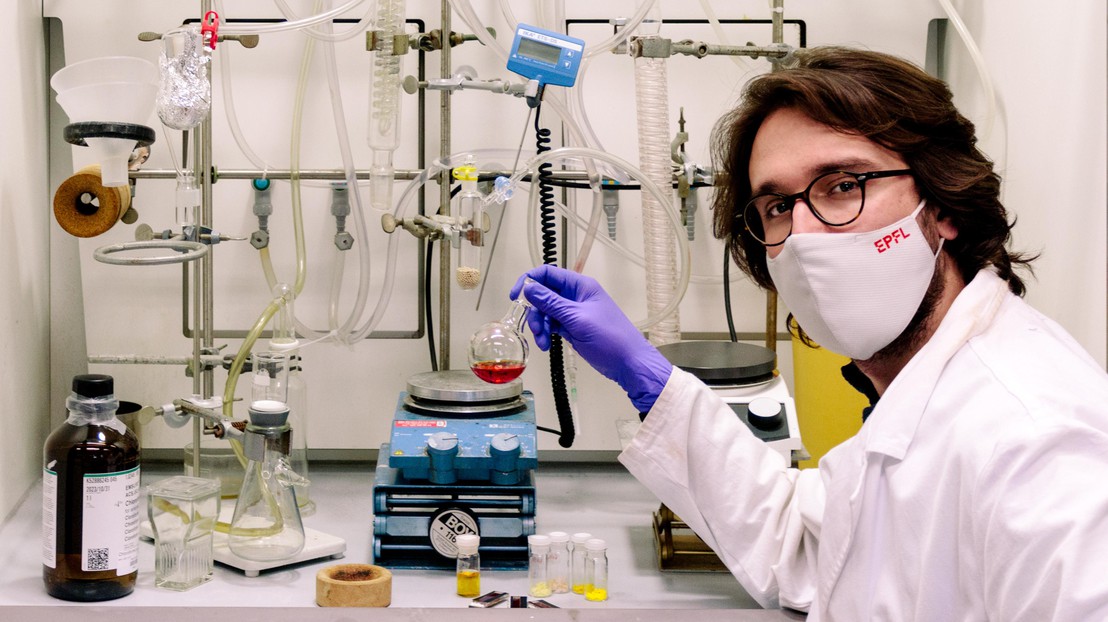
<point>266,524</point>
<point>217,462</point>
<point>498,350</point>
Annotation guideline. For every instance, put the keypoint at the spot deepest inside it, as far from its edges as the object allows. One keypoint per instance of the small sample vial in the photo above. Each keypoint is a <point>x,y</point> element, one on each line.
<point>596,570</point>
<point>557,562</point>
<point>537,578</point>
<point>469,565</point>
<point>577,564</point>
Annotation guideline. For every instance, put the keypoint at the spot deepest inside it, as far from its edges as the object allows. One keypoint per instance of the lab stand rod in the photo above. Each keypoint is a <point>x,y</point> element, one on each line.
<point>771,296</point>
<point>329,174</point>
<point>202,286</point>
<point>220,174</point>
<point>664,48</point>
<point>444,198</point>
<point>778,22</point>
<point>208,360</point>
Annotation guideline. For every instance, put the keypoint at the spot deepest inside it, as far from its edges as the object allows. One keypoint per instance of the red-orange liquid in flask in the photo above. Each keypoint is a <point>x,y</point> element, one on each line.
<point>498,372</point>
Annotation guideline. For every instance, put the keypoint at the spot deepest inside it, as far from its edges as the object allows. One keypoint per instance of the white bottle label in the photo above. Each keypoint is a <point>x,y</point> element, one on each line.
<point>49,517</point>
<point>110,527</point>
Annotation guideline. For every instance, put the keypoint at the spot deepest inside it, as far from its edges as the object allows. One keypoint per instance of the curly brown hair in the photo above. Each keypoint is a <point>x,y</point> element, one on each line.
<point>896,105</point>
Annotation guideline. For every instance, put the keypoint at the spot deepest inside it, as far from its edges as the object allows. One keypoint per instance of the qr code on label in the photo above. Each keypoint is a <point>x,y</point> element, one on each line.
<point>98,559</point>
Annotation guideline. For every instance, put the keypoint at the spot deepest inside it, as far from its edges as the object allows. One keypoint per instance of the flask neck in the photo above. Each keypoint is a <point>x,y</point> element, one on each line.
<point>517,314</point>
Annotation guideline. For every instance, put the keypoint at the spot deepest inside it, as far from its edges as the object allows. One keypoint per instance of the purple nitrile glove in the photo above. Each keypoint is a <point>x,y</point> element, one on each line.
<point>577,308</point>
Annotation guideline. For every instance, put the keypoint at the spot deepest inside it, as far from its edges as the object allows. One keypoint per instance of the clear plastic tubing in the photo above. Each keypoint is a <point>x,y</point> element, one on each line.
<point>327,35</point>
<point>384,110</point>
<point>244,351</point>
<point>553,99</point>
<point>229,28</point>
<point>406,198</point>
<point>362,234</point>
<point>978,62</point>
<point>581,223</point>
<point>431,172</point>
<point>710,13</point>
<point>465,9</point>
<point>652,104</point>
<point>649,187</point>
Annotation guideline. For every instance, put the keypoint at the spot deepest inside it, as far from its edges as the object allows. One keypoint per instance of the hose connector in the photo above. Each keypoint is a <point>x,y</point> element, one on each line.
<point>263,207</point>
<point>611,208</point>
<point>340,209</point>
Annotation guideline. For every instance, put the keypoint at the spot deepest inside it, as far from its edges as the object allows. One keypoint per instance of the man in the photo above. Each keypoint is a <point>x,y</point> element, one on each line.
<point>975,490</point>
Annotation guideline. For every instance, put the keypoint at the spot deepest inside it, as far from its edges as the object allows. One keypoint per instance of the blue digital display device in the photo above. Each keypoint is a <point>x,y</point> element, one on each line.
<point>546,56</point>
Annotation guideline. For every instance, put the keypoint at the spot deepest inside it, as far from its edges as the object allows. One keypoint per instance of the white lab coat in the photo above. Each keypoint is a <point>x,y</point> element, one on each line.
<point>977,489</point>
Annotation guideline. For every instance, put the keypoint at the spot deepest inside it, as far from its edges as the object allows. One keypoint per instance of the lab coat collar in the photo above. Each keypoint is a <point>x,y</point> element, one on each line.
<point>897,415</point>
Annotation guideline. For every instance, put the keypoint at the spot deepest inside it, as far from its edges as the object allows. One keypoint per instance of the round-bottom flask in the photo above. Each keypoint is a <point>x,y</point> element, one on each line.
<point>498,350</point>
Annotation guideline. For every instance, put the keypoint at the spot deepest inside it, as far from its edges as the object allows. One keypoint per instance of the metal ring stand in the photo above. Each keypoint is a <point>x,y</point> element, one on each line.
<point>186,251</point>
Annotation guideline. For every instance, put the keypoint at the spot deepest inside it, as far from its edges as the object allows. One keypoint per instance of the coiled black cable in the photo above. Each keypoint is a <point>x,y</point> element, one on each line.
<point>550,256</point>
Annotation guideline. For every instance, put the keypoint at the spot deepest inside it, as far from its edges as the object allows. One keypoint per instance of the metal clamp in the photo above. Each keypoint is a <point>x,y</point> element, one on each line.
<point>247,41</point>
<point>381,41</point>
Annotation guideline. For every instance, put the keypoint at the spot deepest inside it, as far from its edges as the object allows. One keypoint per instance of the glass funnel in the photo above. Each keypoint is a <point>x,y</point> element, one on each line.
<point>498,351</point>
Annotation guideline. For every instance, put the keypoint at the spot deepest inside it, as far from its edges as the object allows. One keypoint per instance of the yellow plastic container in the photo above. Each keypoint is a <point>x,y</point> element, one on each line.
<point>828,409</point>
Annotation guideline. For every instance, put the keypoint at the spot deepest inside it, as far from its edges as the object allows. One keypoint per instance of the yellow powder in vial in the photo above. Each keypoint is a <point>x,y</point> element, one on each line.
<point>467,277</point>
<point>541,589</point>
<point>596,593</point>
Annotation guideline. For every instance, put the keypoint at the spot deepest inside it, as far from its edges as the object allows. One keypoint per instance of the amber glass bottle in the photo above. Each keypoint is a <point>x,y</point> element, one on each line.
<point>90,499</point>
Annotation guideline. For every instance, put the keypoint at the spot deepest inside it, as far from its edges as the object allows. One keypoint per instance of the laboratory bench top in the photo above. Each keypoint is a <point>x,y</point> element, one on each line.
<point>601,498</point>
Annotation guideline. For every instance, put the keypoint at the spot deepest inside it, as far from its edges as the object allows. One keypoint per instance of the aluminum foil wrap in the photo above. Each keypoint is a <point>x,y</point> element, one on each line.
<point>185,93</point>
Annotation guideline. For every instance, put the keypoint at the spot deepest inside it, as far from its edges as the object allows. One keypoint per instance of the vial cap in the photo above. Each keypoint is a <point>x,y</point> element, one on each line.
<point>596,544</point>
<point>559,537</point>
<point>539,543</point>
<point>468,543</point>
<point>93,385</point>
<point>581,537</point>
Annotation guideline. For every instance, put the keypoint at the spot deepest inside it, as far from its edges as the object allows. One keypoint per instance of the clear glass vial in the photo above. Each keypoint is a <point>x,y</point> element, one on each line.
<point>469,565</point>
<point>538,579</point>
<point>596,570</point>
<point>557,562</point>
<point>577,564</point>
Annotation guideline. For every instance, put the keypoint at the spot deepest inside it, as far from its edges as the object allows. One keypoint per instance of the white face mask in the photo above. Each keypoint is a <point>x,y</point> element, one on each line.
<point>854,293</point>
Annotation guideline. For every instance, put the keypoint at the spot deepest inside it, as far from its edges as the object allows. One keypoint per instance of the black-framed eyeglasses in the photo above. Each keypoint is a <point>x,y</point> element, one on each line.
<point>835,198</point>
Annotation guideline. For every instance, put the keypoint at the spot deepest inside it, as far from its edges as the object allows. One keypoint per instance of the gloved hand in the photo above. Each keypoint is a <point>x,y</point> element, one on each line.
<point>577,308</point>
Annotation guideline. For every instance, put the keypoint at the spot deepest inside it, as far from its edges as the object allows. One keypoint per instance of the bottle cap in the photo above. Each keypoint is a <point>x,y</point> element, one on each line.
<point>596,544</point>
<point>468,543</point>
<point>93,385</point>
<point>581,537</point>
<point>559,537</point>
<point>539,543</point>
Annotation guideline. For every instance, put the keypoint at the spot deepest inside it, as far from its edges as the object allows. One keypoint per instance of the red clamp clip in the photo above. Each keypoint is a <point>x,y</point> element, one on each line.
<point>209,28</point>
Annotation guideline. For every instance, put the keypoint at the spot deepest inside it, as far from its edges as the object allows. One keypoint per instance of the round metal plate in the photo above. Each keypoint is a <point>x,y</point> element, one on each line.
<point>462,386</point>
<point>462,410</point>
<point>722,362</point>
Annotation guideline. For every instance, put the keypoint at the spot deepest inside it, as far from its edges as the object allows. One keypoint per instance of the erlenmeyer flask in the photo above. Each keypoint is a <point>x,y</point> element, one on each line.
<point>266,524</point>
<point>498,351</point>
